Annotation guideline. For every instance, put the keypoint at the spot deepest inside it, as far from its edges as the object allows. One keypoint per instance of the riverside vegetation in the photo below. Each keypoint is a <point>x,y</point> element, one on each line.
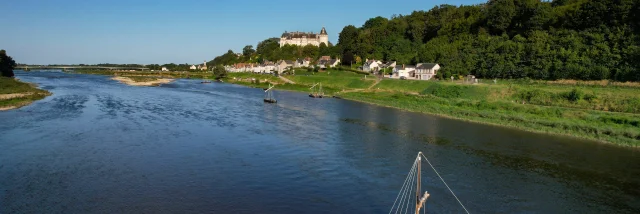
<point>15,94</point>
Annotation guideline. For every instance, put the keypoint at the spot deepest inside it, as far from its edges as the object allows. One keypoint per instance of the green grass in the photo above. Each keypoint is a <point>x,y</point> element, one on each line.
<point>13,86</point>
<point>261,77</point>
<point>618,128</point>
<point>414,86</point>
<point>335,79</point>
<point>608,98</point>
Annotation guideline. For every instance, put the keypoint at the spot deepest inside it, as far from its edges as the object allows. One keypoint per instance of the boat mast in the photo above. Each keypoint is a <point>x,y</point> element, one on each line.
<point>418,205</point>
<point>313,90</point>
<point>420,200</point>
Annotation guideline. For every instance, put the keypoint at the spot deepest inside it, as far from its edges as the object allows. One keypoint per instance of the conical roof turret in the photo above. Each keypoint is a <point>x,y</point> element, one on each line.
<point>323,31</point>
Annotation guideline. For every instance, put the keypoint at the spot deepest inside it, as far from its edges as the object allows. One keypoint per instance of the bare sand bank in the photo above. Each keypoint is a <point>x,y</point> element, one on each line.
<point>151,82</point>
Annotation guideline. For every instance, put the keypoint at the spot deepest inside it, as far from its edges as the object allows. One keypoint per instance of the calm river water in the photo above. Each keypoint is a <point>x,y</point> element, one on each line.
<point>98,146</point>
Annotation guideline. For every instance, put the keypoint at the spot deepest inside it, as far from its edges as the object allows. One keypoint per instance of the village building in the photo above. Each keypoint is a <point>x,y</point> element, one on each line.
<point>371,65</point>
<point>324,61</point>
<point>390,64</point>
<point>202,67</point>
<point>267,67</point>
<point>283,65</point>
<point>164,69</point>
<point>302,62</point>
<point>426,71</point>
<point>193,67</point>
<point>240,67</point>
<point>328,63</point>
<point>303,38</point>
<point>404,71</point>
<point>333,63</point>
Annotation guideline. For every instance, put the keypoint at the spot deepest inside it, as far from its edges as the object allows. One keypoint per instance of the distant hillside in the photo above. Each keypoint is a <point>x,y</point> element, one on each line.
<point>562,39</point>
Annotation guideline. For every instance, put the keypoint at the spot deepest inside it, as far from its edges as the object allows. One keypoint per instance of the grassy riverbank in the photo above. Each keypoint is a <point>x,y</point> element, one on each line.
<point>618,128</point>
<point>15,94</point>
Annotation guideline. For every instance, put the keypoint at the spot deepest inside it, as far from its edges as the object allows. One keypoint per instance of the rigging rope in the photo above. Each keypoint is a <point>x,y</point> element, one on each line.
<point>445,183</point>
<point>412,183</point>
<point>406,189</point>
<point>403,187</point>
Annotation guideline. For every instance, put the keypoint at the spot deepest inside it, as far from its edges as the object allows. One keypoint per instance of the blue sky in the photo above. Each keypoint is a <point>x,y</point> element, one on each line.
<point>161,31</point>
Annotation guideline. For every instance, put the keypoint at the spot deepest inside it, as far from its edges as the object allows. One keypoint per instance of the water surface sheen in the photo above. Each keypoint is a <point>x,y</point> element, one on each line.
<point>99,146</point>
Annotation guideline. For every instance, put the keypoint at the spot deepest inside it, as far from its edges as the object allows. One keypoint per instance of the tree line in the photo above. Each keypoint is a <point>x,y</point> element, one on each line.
<point>560,39</point>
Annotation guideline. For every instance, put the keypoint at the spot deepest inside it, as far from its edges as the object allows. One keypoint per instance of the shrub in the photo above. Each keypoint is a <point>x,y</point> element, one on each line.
<point>536,96</point>
<point>444,91</point>
<point>574,95</point>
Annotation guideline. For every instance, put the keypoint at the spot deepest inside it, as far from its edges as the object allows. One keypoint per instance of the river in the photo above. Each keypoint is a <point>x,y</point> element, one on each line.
<point>99,146</point>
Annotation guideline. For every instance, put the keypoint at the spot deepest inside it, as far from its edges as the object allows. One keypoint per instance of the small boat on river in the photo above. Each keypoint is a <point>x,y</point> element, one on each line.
<point>316,92</point>
<point>268,96</point>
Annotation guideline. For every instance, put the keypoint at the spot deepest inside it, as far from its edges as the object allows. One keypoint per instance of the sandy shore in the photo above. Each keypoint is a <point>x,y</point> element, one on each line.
<point>11,96</point>
<point>15,95</point>
<point>8,108</point>
<point>18,95</point>
<point>130,81</point>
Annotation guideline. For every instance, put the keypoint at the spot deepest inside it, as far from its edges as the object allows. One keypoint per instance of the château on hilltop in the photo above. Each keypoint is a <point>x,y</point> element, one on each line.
<point>303,39</point>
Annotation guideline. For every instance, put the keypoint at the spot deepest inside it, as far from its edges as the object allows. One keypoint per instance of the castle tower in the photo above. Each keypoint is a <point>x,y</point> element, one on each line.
<point>324,37</point>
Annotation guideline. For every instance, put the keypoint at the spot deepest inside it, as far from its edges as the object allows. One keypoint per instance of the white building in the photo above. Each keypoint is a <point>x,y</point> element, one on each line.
<point>193,67</point>
<point>165,69</point>
<point>302,62</point>
<point>268,67</point>
<point>407,71</point>
<point>303,39</point>
<point>283,65</point>
<point>390,64</point>
<point>426,71</point>
<point>333,63</point>
<point>371,65</point>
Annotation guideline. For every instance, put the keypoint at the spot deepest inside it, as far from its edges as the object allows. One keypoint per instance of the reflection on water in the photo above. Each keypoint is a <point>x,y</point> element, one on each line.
<point>96,145</point>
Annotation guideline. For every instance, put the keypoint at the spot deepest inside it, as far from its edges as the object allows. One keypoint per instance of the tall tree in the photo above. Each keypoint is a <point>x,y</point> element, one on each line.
<point>500,14</point>
<point>347,40</point>
<point>219,72</point>
<point>248,50</point>
<point>311,51</point>
<point>6,64</point>
<point>267,48</point>
<point>348,59</point>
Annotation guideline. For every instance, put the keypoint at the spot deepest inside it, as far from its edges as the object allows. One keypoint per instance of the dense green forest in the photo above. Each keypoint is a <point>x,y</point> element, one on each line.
<point>560,39</point>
